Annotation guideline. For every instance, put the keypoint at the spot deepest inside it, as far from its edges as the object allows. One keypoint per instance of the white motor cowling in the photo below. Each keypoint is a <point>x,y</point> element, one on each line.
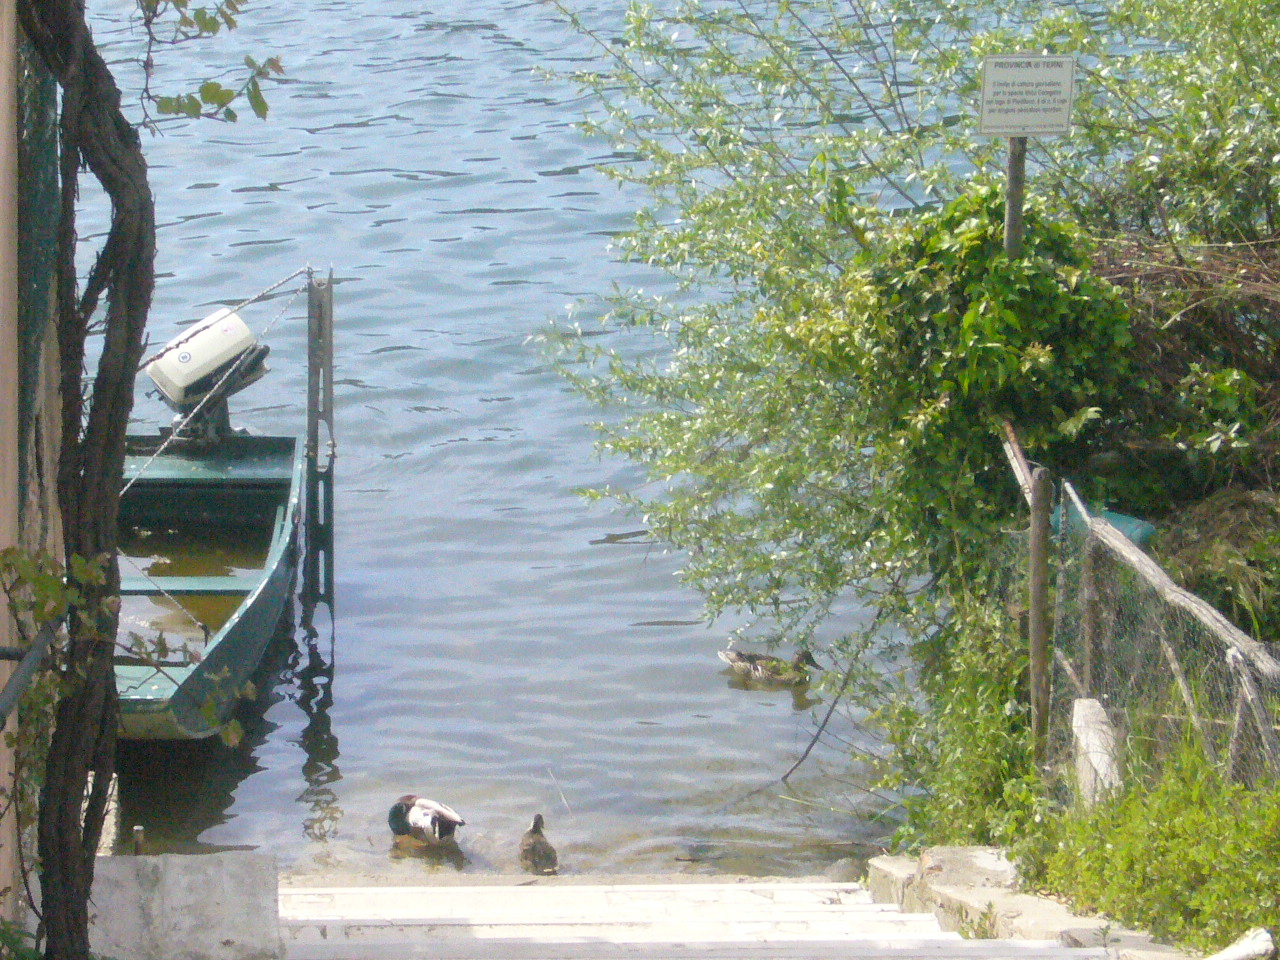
<point>199,360</point>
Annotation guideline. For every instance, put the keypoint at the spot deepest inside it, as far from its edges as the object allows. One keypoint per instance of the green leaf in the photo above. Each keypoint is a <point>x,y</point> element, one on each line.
<point>207,22</point>
<point>215,94</point>
<point>256,100</point>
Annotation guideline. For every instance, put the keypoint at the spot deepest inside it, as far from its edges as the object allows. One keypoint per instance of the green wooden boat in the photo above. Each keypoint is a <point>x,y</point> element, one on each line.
<point>209,544</point>
<point>210,553</point>
<point>211,530</point>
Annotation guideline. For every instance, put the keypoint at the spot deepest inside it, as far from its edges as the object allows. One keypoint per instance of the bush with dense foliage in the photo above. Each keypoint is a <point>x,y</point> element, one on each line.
<point>1191,857</point>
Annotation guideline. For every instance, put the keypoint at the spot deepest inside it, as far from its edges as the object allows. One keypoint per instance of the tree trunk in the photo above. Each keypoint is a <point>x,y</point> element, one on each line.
<point>95,134</point>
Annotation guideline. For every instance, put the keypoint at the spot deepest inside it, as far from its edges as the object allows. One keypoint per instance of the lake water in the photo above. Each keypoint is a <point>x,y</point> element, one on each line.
<point>494,647</point>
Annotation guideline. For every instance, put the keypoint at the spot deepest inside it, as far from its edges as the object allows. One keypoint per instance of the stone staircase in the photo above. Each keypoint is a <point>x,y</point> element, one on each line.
<point>554,919</point>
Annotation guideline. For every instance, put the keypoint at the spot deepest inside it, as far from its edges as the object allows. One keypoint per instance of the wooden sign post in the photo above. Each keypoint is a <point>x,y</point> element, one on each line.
<point>1029,95</point>
<point>1024,95</point>
<point>1014,197</point>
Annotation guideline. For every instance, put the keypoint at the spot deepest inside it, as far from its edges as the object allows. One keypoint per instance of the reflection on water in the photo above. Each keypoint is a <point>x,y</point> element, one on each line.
<point>190,621</point>
<point>180,790</point>
<point>216,552</point>
<point>803,696</point>
<point>445,854</point>
<point>312,671</point>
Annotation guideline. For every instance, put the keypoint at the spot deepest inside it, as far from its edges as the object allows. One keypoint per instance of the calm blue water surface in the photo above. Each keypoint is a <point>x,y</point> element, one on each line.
<point>489,649</point>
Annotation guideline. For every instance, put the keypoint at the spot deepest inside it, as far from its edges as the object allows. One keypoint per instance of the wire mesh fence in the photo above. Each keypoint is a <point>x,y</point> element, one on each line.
<point>1142,664</point>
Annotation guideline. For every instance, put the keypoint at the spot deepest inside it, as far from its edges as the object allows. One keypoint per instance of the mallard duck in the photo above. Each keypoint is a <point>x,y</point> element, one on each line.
<point>422,820</point>
<point>537,855</point>
<point>767,667</point>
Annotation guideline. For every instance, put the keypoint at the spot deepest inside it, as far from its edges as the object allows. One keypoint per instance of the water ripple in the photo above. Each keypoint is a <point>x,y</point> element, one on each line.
<point>486,647</point>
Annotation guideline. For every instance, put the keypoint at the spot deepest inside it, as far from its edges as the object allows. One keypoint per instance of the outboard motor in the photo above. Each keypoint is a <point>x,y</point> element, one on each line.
<point>204,365</point>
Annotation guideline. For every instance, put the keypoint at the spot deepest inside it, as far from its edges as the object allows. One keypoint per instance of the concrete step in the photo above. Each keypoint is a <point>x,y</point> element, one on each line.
<point>555,895</point>
<point>551,920</point>
<point>620,912</point>
<point>769,950</point>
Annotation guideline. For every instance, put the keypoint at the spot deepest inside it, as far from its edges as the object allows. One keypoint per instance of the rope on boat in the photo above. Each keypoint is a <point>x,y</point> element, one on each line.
<point>178,427</point>
<point>203,627</point>
<point>236,308</point>
<point>234,368</point>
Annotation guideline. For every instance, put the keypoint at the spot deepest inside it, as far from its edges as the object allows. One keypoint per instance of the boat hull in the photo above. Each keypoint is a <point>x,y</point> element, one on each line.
<point>225,601</point>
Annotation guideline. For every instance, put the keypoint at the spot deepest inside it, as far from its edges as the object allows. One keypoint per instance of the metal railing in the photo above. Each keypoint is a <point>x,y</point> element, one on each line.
<point>29,661</point>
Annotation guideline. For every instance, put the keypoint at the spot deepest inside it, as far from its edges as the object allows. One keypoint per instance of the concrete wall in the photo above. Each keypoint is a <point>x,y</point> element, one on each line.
<point>221,906</point>
<point>8,395</point>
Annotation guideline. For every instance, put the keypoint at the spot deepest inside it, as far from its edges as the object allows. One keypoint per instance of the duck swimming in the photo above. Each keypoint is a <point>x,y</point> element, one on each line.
<point>766,667</point>
<point>422,820</point>
<point>537,855</point>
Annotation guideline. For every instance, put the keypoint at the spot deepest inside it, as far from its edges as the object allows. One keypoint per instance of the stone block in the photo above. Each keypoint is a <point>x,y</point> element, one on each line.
<point>1097,770</point>
<point>973,890</point>
<point>966,866</point>
<point>220,906</point>
<point>888,878</point>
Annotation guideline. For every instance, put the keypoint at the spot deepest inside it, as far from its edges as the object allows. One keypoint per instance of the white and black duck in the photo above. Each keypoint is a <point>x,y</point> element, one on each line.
<point>423,821</point>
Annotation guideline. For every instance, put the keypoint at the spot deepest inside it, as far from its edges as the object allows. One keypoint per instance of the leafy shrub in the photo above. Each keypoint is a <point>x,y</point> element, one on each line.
<point>1192,858</point>
<point>941,337</point>
<point>16,943</point>
<point>968,751</point>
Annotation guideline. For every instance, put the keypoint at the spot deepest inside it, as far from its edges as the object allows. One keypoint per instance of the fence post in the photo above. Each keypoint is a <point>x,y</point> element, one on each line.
<point>1038,605</point>
<point>1088,611</point>
<point>1014,222</point>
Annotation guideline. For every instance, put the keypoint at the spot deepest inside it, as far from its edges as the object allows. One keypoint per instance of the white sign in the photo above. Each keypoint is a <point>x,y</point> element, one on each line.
<point>1026,95</point>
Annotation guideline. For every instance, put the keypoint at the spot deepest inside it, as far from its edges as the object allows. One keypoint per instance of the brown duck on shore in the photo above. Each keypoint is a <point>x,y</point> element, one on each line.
<point>537,855</point>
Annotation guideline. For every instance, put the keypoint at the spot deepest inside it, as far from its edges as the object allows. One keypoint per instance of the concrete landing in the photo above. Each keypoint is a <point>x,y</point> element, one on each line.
<point>975,889</point>
<point>547,920</point>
